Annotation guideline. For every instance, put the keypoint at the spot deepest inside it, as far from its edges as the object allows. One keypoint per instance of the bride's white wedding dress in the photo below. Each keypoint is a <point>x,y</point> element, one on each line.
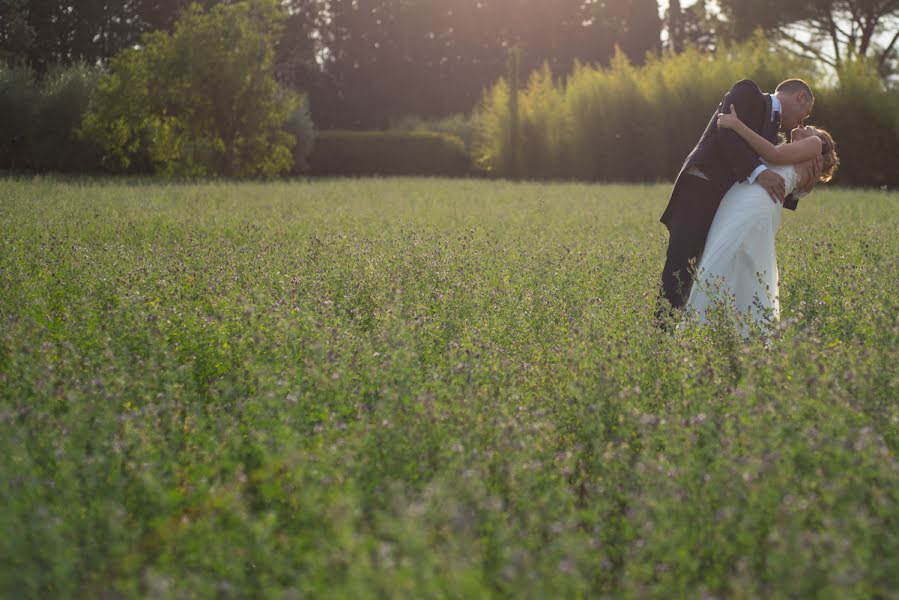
<point>739,264</point>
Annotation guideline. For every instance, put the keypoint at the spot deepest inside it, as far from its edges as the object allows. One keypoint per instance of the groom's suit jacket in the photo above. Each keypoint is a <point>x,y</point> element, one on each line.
<point>721,154</point>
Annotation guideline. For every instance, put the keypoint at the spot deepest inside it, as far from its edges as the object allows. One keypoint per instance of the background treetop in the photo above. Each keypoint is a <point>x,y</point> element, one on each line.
<point>366,63</point>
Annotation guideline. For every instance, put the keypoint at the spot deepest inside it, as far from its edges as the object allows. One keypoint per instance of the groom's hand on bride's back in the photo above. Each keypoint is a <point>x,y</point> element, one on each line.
<point>774,184</point>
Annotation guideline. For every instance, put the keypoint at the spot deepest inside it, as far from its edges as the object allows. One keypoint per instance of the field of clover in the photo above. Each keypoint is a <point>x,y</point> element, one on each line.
<point>424,388</point>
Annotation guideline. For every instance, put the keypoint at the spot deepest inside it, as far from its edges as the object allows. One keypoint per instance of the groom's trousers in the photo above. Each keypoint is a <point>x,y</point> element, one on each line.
<point>689,216</point>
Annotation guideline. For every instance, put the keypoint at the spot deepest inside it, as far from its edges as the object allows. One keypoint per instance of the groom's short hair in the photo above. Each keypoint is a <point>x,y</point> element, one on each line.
<point>794,86</point>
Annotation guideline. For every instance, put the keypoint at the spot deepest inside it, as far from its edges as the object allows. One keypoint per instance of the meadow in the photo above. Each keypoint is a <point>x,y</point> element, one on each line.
<point>424,388</point>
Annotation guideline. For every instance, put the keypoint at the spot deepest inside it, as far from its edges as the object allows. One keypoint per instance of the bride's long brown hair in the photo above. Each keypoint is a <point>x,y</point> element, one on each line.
<point>829,152</point>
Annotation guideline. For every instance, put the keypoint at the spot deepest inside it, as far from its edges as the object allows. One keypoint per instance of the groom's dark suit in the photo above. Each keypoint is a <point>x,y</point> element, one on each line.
<point>724,158</point>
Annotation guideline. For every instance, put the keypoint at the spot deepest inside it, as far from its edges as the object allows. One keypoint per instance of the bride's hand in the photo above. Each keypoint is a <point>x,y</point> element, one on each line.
<point>729,120</point>
<point>809,172</point>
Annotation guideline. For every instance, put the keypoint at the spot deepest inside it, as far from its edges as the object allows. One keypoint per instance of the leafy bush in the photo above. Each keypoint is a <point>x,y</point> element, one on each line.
<point>458,125</point>
<point>301,127</point>
<point>639,123</point>
<point>201,100</point>
<point>388,153</point>
<point>19,102</point>
<point>39,118</point>
<point>864,121</point>
<point>492,147</point>
<point>65,96</point>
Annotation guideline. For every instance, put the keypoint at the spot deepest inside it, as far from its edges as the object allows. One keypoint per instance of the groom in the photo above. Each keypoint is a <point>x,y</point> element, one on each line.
<point>720,159</point>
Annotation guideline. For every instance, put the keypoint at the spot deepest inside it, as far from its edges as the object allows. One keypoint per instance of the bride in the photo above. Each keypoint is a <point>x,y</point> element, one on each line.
<point>739,264</point>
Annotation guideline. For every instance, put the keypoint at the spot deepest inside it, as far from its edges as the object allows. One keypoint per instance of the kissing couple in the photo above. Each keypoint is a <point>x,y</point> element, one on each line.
<point>727,200</point>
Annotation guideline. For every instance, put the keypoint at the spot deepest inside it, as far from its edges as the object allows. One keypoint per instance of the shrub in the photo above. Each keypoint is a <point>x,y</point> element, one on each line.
<point>301,127</point>
<point>38,118</point>
<point>544,128</point>
<point>639,123</point>
<point>64,99</point>
<point>492,152</point>
<point>19,101</point>
<point>863,118</point>
<point>388,153</point>
<point>201,100</point>
<point>458,125</point>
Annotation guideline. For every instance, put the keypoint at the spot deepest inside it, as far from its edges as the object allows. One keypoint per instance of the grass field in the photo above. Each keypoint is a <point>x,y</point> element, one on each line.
<point>433,389</point>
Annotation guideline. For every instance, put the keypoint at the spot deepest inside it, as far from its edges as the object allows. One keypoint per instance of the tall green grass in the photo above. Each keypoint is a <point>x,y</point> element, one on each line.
<point>426,388</point>
<point>627,123</point>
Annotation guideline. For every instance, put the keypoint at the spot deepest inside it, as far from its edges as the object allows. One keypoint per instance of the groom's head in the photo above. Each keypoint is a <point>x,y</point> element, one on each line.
<point>796,100</point>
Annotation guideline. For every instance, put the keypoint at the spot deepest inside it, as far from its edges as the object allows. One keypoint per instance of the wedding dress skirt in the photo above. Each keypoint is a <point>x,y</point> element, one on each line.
<point>739,265</point>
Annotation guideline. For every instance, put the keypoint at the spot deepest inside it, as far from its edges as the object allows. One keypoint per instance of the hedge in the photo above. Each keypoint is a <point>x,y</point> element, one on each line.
<point>629,123</point>
<point>426,153</point>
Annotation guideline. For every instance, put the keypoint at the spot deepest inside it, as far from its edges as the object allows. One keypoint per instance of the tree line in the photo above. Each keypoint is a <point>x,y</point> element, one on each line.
<point>638,123</point>
<point>366,63</point>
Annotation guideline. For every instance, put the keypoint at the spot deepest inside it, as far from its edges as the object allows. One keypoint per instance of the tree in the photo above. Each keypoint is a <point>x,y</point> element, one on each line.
<point>633,25</point>
<point>832,32</point>
<point>43,33</point>
<point>19,100</point>
<point>299,46</point>
<point>642,31</point>
<point>16,33</point>
<point>201,100</point>
<point>675,26</point>
<point>387,58</point>
<point>701,27</point>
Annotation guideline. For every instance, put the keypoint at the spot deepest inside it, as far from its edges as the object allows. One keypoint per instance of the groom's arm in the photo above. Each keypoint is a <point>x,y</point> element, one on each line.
<point>748,100</point>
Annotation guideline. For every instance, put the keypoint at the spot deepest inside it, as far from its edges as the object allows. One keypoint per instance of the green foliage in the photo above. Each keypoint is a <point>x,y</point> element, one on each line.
<point>617,129</point>
<point>458,125</point>
<point>44,34</point>
<point>864,120</point>
<point>388,153</point>
<point>301,127</point>
<point>493,130</point>
<point>19,102</point>
<point>639,123</point>
<point>432,389</point>
<point>834,32</point>
<point>201,100</point>
<point>376,72</point>
<point>514,141</point>
<point>543,131</point>
<point>65,96</point>
<point>38,118</point>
